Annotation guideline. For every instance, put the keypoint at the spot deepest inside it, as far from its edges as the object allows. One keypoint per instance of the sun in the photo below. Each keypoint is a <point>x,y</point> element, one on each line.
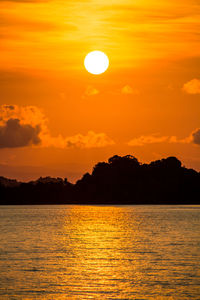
<point>96,62</point>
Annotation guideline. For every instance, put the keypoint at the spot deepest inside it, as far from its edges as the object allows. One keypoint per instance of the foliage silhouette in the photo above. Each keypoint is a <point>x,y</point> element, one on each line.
<point>121,180</point>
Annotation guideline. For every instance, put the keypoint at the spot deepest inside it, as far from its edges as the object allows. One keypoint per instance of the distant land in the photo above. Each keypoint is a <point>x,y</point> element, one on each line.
<point>120,181</point>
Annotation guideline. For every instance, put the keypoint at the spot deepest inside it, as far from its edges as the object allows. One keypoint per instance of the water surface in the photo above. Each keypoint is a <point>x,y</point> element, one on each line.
<point>100,252</point>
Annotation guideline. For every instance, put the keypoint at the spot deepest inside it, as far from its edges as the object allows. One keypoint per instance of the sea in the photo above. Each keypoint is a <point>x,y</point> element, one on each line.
<point>99,252</point>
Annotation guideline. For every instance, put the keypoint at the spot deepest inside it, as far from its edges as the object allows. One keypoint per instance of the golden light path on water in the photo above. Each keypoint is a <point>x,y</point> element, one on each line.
<point>96,252</point>
<point>102,251</point>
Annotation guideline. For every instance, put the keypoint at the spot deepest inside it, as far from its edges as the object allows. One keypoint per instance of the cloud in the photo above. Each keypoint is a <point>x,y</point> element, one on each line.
<point>90,91</point>
<point>147,139</point>
<point>128,90</point>
<point>192,87</point>
<point>13,134</point>
<point>91,140</point>
<point>22,126</point>
<point>173,139</point>
<point>31,115</point>
<point>193,138</point>
<point>196,136</point>
<point>88,141</point>
<point>11,107</point>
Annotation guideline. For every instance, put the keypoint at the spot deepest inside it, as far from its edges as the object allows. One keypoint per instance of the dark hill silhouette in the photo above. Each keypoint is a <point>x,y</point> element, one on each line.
<point>8,182</point>
<point>121,180</point>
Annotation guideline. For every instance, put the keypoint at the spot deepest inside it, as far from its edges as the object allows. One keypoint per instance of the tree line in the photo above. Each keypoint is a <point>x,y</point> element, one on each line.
<point>123,180</point>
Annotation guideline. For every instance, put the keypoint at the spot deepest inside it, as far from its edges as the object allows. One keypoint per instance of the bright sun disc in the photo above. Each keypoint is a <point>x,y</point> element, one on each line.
<point>96,62</point>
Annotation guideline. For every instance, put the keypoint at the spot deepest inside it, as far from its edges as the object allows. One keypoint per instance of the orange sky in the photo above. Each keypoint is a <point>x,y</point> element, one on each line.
<point>57,119</point>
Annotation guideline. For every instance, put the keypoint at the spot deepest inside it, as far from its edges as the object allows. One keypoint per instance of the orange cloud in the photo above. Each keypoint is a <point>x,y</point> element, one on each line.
<point>192,87</point>
<point>174,139</point>
<point>27,114</point>
<point>196,136</point>
<point>193,138</point>
<point>147,139</point>
<point>90,140</point>
<point>27,125</point>
<point>90,91</point>
<point>21,126</point>
<point>128,90</point>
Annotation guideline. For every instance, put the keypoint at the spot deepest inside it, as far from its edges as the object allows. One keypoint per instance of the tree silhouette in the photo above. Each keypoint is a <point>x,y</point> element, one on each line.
<point>121,180</point>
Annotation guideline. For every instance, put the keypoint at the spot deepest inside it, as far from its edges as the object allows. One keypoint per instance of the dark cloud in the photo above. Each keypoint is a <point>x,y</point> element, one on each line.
<point>11,107</point>
<point>13,134</point>
<point>196,136</point>
<point>22,126</point>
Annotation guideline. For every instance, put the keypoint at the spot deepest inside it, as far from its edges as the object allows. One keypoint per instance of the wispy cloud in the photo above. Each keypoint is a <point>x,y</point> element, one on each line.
<point>134,31</point>
<point>25,1</point>
<point>193,138</point>
<point>147,139</point>
<point>10,23</point>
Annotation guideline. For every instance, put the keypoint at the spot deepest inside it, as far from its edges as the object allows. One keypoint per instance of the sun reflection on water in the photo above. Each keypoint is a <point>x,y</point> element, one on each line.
<point>101,249</point>
<point>83,252</point>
